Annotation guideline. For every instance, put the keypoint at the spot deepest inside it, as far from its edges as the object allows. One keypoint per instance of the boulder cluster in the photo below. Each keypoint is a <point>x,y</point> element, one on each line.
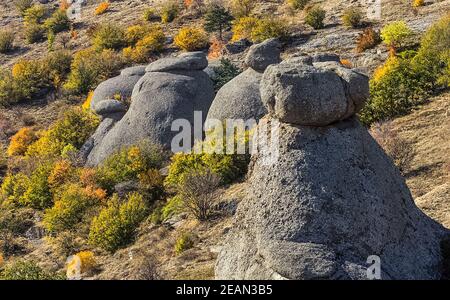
<point>331,200</point>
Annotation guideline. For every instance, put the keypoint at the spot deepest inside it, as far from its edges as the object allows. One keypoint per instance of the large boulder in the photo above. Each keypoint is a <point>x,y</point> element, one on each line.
<point>240,98</point>
<point>315,95</point>
<point>159,98</point>
<point>331,200</point>
<point>120,85</point>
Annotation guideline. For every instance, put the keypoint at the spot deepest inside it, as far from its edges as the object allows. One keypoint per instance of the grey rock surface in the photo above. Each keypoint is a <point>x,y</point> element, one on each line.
<point>239,99</point>
<point>119,85</point>
<point>134,71</point>
<point>312,95</point>
<point>158,99</point>
<point>331,200</point>
<point>260,56</point>
<point>108,107</point>
<point>190,61</point>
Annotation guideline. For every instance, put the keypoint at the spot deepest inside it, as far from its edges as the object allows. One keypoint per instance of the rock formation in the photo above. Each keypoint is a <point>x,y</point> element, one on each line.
<point>120,85</point>
<point>172,88</point>
<point>240,98</point>
<point>333,198</point>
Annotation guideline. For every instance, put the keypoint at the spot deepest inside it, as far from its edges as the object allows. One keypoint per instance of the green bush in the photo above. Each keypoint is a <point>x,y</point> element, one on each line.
<point>6,41</point>
<point>57,65</point>
<point>315,17</point>
<point>35,14</point>
<point>90,67</point>
<point>352,17</point>
<point>38,194</point>
<point>395,34</point>
<point>14,187</point>
<point>109,36</point>
<point>229,167</point>
<point>150,15</point>
<point>173,207</point>
<point>59,21</point>
<point>115,226</point>
<point>225,72</point>
<point>27,270</point>
<point>128,163</point>
<point>169,11</point>
<point>269,28</point>
<point>297,4</point>
<point>34,33</point>
<point>217,19</point>
<point>185,242</point>
<point>74,128</point>
<point>68,209</point>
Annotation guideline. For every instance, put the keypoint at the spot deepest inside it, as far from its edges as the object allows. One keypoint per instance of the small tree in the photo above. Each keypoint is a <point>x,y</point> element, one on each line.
<point>395,34</point>
<point>315,17</point>
<point>197,190</point>
<point>217,19</point>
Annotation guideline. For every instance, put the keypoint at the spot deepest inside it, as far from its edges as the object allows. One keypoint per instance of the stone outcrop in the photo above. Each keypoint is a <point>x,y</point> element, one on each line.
<point>333,198</point>
<point>240,98</point>
<point>172,88</point>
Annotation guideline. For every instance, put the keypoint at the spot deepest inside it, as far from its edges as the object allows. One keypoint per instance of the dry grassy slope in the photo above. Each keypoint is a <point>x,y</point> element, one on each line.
<point>428,131</point>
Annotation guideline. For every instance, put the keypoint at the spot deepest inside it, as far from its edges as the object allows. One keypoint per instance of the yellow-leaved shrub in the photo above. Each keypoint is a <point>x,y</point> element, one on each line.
<point>191,39</point>
<point>21,141</point>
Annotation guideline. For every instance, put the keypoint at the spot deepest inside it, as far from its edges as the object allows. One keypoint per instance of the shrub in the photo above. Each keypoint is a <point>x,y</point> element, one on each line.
<point>114,227</point>
<point>38,194</point>
<point>90,67</point>
<point>173,206</point>
<point>268,28</point>
<point>149,15</point>
<point>241,8</point>
<point>34,33</point>
<point>297,4</point>
<point>128,163</point>
<point>23,5</point>
<point>68,210</point>
<point>30,77</point>
<point>135,33</point>
<point>27,270</point>
<point>368,39</point>
<point>169,11</point>
<point>352,17</point>
<point>395,34</point>
<point>197,190</point>
<point>151,43</point>
<point>228,166</point>
<point>74,129</point>
<point>401,152</point>
<point>101,8</point>
<point>315,17</point>
<point>243,27</point>
<point>13,188</point>
<point>57,65</point>
<point>6,41</point>
<point>35,14</point>
<point>185,242</point>
<point>217,19</point>
<point>433,57</point>
<point>59,21</point>
<point>21,141</point>
<point>109,36</point>
<point>191,39</point>
<point>418,3</point>
<point>395,88</point>
<point>225,72</point>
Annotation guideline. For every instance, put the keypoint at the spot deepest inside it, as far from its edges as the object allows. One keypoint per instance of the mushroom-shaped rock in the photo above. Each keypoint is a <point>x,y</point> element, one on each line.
<point>134,71</point>
<point>262,55</point>
<point>158,99</point>
<point>240,98</point>
<point>315,95</point>
<point>190,61</point>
